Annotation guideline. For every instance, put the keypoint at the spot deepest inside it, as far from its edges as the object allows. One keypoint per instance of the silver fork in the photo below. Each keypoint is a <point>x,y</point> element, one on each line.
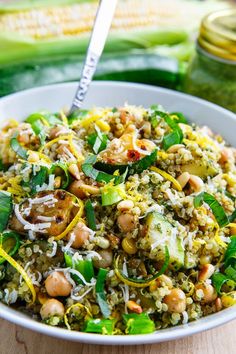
<point>97,42</point>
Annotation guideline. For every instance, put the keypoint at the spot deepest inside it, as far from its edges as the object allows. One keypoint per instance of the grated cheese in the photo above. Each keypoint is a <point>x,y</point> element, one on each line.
<point>69,244</point>
<point>54,250</point>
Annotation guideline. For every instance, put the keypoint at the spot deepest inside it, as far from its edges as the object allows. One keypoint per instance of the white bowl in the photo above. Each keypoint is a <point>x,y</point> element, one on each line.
<point>113,94</point>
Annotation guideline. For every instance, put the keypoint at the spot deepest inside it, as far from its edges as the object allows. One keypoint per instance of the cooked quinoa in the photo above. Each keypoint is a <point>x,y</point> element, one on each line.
<point>116,220</point>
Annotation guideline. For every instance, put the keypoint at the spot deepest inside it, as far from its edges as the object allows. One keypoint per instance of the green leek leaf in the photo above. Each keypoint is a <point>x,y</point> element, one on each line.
<point>90,215</point>
<point>138,323</point>
<point>100,292</point>
<point>103,326</point>
<point>215,206</point>
<point>112,194</point>
<point>10,242</point>
<point>219,279</point>
<point>5,209</point>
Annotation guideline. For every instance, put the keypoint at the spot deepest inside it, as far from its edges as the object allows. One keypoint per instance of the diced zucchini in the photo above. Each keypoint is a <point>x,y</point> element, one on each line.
<point>200,168</point>
<point>161,233</point>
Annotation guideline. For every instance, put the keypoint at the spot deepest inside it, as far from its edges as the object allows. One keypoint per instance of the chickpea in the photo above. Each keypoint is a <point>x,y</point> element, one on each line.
<point>80,234</point>
<point>176,301</point>
<point>105,261</point>
<point>126,222</point>
<point>226,155</point>
<point>52,307</point>
<point>56,284</point>
<point>125,205</point>
<point>209,293</point>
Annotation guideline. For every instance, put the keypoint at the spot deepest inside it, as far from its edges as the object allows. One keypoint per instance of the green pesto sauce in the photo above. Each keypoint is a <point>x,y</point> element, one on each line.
<point>213,79</point>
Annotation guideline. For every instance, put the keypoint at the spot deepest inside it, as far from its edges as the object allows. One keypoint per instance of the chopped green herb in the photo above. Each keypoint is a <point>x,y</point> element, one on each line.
<point>19,150</point>
<point>99,176</point>
<point>98,141</point>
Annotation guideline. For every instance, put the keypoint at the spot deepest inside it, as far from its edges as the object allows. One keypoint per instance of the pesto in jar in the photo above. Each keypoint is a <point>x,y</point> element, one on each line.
<point>213,79</point>
<point>212,71</point>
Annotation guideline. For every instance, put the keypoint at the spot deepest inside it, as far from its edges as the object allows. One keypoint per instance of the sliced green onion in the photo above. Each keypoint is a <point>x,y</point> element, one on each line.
<point>99,176</point>
<point>98,141</point>
<point>231,272</point>
<point>19,150</point>
<point>215,206</point>
<point>138,323</point>
<point>103,326</point>
<point>219,279</point>
<point>178,117</point>
<point>155,118</point>
<point>90,215</point>
<point>85,267</point>
<point>77,115</point>
<point>5,209</point>
<point>100,292</point>
<point>230,254</point>
<point>229,276</point>
<point>174,137</point>
<point>10,242</point>
<point>36,122</point>
<point>112,194</point>
<point>52,119</point>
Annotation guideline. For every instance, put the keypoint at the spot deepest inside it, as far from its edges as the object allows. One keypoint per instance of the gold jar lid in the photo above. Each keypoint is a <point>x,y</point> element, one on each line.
<point>218,34</point>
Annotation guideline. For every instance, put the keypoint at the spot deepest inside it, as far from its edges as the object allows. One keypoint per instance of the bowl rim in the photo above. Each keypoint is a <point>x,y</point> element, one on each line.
<point>173,333</point>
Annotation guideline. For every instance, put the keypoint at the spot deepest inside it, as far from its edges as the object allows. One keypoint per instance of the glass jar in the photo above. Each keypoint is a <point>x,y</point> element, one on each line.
<point>212,71</point>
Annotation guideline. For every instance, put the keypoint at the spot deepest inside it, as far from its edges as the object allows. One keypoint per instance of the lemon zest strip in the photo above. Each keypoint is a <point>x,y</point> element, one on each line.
<point>218,239</point>
<point>78,304</point>
<point>21,270</point>
<point>168,177</point>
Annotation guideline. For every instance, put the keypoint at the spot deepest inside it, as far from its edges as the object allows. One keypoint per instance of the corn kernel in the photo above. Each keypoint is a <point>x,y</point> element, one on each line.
<point>104,126</point>
<point>129,246</point>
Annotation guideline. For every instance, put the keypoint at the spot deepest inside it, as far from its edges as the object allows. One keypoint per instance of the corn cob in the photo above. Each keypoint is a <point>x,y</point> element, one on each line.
<point>76,19</point>
<point>26,32</point>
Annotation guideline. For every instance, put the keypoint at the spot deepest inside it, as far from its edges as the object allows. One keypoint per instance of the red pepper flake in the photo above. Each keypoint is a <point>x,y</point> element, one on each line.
<point>133,155</point>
